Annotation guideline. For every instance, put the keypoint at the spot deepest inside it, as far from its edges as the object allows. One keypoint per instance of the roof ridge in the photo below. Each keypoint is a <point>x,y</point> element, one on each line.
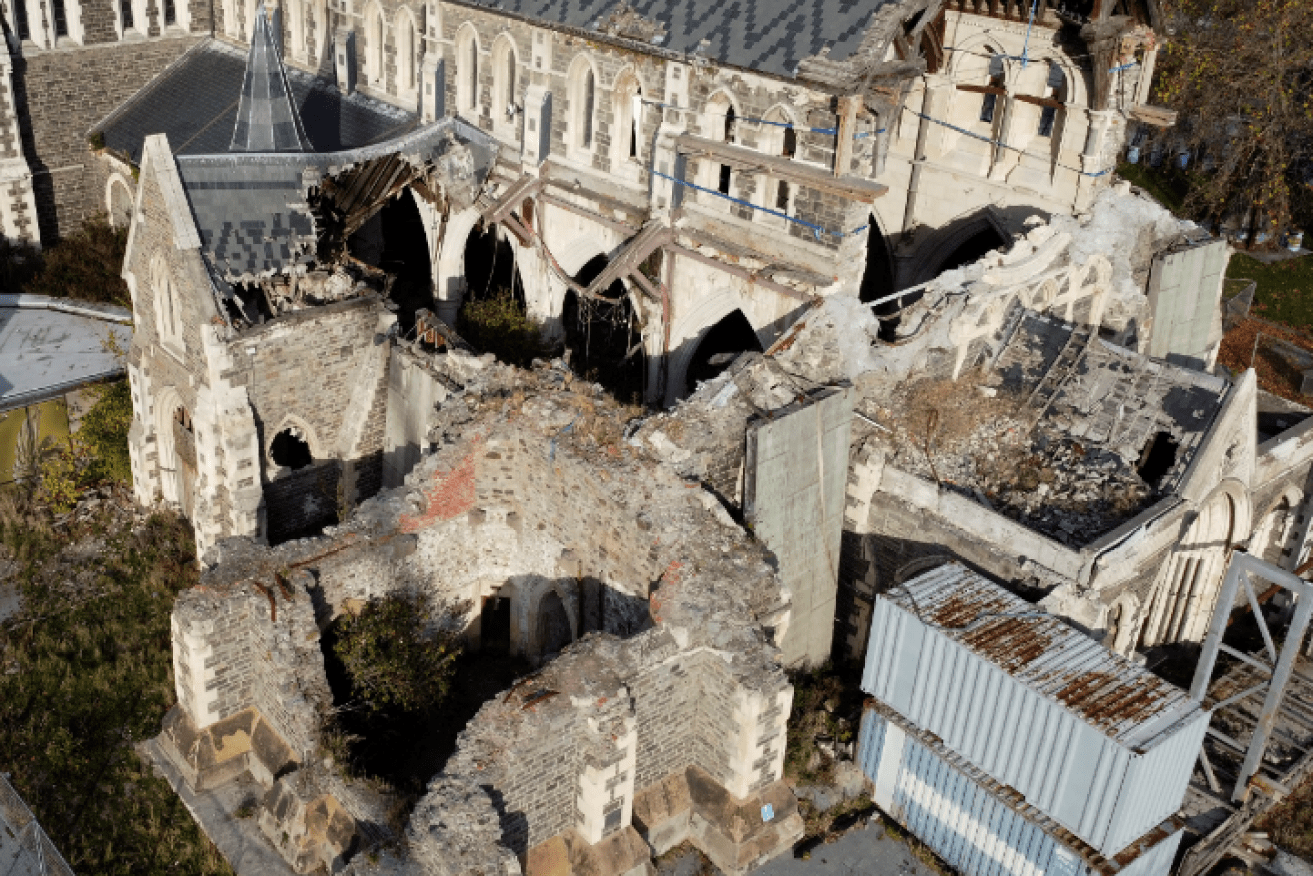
<point>267,119</point>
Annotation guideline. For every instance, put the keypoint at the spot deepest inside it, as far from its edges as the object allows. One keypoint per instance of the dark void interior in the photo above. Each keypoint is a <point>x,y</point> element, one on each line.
<point>605,342</point>
<point>719,347</point>
<point>406,257</point>
<point>289,451</point>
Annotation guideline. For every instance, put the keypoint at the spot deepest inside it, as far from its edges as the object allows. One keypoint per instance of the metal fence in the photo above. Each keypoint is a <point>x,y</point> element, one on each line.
<point>42,856</point>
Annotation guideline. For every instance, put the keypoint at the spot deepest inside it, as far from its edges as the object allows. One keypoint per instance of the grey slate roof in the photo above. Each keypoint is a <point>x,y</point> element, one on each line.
<point>251,211</point>
<point>770,36</point>
<point>194,102</point>
<point>267,119</point>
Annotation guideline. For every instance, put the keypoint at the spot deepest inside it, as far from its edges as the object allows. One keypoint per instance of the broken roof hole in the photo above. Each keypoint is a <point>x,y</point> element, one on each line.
<point>1157,458</point>
<point>289,450</point>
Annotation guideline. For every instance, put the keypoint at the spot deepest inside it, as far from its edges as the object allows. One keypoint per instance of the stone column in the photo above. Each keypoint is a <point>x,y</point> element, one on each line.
<point>605,801</point>
<point>757,749</point>
<point>932,105</point>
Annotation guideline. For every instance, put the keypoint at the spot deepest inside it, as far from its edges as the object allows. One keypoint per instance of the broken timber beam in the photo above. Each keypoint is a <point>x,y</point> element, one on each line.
<point>854,188</point>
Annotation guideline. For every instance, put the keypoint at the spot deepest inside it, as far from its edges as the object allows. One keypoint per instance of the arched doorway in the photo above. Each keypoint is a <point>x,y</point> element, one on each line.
<point>719,347</point>
<point>490,268</point>
<point>175,452</point>
<point>604,337</point>
<point>553,632</point>
<point>493,315</point>
<point>405,255</point>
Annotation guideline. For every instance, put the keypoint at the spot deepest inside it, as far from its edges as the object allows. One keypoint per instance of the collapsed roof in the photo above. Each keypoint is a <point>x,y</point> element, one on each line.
<point>987,388</point>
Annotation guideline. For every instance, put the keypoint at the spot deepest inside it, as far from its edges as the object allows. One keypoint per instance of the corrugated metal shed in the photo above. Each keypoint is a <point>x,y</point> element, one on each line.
<point>49,346</point>
<point>1097,743</point>
<point>978,826</point>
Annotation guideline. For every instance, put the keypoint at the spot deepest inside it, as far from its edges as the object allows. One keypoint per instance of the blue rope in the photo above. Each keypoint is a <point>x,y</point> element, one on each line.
<point>991,141</point>
<point>816,230</point>
<point>1025,47</point>
<point>831,131</point>
<point>1122,67</point>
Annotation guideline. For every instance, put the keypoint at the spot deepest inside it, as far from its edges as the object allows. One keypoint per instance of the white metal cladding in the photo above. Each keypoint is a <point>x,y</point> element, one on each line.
<point>968,821</point>
<point>1096,742</point>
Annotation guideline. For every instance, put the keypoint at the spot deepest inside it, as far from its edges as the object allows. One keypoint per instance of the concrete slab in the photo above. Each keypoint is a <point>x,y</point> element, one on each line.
<point>239,840</point>
<point>870,849</point>
<point>10,601</point>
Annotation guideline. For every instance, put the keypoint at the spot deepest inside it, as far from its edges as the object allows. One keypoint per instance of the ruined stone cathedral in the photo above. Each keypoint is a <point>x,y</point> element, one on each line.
<point>863,262</point>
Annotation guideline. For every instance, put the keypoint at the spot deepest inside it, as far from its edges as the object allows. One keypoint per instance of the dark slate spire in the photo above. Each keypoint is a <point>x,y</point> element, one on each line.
<point>267,120</point>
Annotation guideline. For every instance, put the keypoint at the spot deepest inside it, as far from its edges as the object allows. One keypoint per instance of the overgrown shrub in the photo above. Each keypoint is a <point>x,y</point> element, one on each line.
<point>104,429</point>
<point>394,658</point>
<point>85,265</point>
<point>500,325</point>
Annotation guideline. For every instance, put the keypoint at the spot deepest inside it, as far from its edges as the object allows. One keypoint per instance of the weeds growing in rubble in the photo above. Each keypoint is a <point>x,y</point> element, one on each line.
<point>500,325</point>
<point>826,709</point>
<point>85,672</point>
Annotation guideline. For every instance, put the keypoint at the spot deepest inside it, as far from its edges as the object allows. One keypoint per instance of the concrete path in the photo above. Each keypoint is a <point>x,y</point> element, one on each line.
<point>863,851</point>
<point>9,600</point>
<point>238,839</point>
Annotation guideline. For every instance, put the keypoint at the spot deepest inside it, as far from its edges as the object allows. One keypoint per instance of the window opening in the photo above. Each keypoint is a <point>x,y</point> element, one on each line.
<point>289,450</point>
<point>789,148</point>
<point>473,67</point>
<point>61,18</point>
<point>170,13</point>
<point>20,17</point>
<point>125,10</point>
<point>633,124</point>
<point>1157,459</point>
<point>508,99</point>
<point>589,95</point>
<point>726,174</point>
<point>995,87</point>
<point>1046,118</point>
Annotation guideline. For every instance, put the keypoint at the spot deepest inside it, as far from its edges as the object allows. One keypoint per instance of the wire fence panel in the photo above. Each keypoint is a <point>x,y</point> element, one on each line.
<point>35,853</point>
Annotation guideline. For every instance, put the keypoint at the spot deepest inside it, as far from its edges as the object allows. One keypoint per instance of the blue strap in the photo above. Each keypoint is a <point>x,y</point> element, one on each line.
<point>831,131</point>
<point>816,230</point>
<point>991,141</point>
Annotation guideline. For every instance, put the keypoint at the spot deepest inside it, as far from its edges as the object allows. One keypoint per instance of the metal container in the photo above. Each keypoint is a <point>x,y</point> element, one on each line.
<point>979,827</point>
<point>1097,743</point>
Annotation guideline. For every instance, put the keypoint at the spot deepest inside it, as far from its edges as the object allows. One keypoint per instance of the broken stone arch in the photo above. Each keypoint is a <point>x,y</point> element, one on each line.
<point>300,429</point>
<point>931,255</point>
<point>449,272</point>
<point>690,330</point>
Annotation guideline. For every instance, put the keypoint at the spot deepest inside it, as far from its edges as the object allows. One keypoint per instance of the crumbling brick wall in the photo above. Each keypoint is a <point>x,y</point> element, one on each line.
<point>252,644</point>
<point>568,748</point>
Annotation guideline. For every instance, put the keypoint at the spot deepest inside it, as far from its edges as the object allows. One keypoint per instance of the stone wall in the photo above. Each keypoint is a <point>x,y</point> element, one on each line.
<point>320,372</point>
<point>62,94</point>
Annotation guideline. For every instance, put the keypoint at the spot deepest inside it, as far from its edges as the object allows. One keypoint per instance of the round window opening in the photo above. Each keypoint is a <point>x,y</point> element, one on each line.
<point>289,450</point>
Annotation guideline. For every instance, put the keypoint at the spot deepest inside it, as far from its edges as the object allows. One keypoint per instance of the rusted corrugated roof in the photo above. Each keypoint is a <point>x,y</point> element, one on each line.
<point>1119,697</point>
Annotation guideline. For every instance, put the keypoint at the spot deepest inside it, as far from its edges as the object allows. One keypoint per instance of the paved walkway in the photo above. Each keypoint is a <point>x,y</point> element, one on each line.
<point>863,851</point>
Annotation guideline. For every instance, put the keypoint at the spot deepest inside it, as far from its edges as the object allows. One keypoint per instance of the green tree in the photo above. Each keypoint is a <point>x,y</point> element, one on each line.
<point>1238,73</point>
<point>394,655</point>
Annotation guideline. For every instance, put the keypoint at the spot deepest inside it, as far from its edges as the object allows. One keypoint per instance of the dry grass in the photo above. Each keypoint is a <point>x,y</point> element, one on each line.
<point>947,411</point>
